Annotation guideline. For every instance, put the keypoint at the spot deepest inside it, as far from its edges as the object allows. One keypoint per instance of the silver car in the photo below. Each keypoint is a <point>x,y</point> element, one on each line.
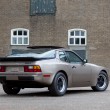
<point>56,68</point>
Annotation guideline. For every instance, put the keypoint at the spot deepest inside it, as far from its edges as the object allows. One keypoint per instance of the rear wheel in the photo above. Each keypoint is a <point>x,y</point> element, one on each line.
<point>59,85</point>
<point>102,82</point>
<point>10,90</point>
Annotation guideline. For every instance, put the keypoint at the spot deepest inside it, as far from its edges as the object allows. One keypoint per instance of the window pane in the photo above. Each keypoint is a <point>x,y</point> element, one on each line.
<point>20,40</point>
<point>19,36</point>
<point>73,57</point>
<point>25,40</point>
<point>14,40</point>
<point>82,33</point>
<point>82,40</point>
<point>19,32</point>
<point>33,7</point>
<point>25,33</point>
<point>72,33</point>
<point>43,7</point>
<point>62,56</point>
<point>48,54</point>
<point>15,33</point>
<point>77,33</point>
<point>71,40</point>
<point>76,40</point>
<point>81,53</point>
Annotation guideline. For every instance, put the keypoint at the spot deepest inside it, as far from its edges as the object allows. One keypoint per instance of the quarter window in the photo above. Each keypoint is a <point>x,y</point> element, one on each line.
<point>62,56</point>
<point>19,36</point>
<point>77,37</point>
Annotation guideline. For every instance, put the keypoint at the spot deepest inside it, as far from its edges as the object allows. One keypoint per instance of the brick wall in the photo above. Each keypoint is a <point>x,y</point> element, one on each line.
<point>92,15</point>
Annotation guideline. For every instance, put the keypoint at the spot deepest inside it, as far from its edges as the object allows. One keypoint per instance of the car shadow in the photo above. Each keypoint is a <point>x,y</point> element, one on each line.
<point>78,91</point>
<point>46,93</point>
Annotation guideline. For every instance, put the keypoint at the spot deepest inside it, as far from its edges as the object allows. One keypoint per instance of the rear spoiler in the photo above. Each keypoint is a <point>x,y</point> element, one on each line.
<point>13,59</point>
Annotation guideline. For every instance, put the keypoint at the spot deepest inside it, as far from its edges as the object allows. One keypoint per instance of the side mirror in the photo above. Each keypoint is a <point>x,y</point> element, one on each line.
<point>85,61</point>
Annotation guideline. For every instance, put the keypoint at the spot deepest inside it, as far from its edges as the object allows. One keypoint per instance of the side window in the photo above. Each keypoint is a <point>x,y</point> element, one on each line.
<point>62,56</point>
<point>73,58</point>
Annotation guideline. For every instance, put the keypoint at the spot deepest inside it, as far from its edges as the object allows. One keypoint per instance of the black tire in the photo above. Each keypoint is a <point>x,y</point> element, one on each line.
<point>59,85</point>
<point>10,90</point>
<point>102,82</point>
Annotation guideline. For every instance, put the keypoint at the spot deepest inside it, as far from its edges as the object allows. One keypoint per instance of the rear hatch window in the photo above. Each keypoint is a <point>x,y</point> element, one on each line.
<point>36,53</point>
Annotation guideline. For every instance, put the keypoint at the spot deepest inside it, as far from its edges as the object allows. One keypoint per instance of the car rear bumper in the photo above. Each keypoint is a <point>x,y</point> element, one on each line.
<point>23,82</point>
<point>27,80</point>
<point>19,78</point>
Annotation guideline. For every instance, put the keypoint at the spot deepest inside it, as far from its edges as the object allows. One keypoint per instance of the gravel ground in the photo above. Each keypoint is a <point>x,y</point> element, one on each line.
<point>40,99</point>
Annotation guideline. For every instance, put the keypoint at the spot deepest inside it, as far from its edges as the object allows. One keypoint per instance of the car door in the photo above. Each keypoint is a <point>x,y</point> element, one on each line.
<point>81,72</point>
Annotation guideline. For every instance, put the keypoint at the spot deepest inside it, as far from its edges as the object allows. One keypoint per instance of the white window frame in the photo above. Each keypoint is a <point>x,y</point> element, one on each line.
<point>74,36</point>
<point>19,36</point>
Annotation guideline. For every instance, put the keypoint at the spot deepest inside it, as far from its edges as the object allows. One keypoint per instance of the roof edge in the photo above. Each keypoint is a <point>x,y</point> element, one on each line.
<point>50,47</point>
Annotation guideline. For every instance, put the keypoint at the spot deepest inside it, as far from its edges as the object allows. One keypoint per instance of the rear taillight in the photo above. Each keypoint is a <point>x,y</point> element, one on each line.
<point>34,68</point>
<point>2,68</point>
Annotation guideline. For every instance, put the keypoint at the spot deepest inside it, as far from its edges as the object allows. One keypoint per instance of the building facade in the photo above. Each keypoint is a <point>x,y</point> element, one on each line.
<point>81,25</point>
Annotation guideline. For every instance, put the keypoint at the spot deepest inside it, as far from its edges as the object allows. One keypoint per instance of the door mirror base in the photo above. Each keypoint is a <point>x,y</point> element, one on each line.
<point>85,61</point>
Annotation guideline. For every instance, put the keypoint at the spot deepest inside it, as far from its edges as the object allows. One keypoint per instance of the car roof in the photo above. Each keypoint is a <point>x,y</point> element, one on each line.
<point>63,49</point>
<point>48,48</point>
<point>58,48</point>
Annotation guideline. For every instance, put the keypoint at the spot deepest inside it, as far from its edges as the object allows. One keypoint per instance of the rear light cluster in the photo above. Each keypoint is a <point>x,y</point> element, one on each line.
<point>2,68</point>
<point>34,68</point>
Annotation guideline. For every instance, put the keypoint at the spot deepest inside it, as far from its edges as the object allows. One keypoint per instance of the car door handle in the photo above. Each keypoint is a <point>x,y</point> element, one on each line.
<point>73,66</point>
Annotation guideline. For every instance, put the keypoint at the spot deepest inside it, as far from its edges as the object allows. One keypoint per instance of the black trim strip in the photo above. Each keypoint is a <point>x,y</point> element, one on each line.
<point>26,78</point>
<point>11,59</point>
<point>50,47</point>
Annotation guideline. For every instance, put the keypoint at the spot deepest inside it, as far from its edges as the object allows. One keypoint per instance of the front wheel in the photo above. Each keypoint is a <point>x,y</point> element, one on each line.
<point>10,90</point>
<point>102,82</point>
<point>59,85</point>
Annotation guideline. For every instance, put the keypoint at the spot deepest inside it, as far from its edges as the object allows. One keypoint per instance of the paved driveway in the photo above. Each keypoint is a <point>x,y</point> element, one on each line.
<point>40,99</point>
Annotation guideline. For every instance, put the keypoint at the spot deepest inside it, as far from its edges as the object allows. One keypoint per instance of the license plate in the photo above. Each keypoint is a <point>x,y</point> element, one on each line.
<point>14,69</point>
